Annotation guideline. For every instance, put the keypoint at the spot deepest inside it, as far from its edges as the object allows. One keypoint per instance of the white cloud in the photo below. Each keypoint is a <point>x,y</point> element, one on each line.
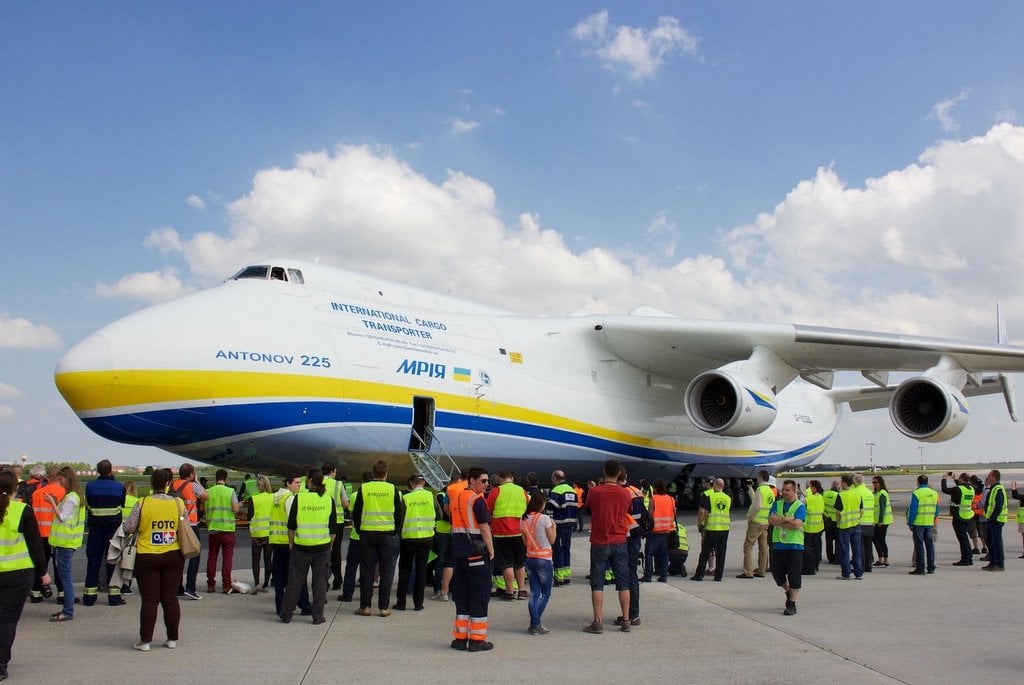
<point>164,239</point>
<point>6,412</point>
<point>8,390</point>
<point>463,126</point>
<point>23,334</point>
<point>928,248</point>
<point>942,111</point>
<point>638,51</point>
<point>150,286</point>
<point>195,202</point>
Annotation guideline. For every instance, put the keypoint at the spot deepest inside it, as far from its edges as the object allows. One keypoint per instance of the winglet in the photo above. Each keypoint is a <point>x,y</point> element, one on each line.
<point>1007,381</point>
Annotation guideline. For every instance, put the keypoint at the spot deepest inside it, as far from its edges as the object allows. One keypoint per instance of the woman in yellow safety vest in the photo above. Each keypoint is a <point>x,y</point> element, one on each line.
<point>21,562</point>
<point>159,564</point>
<point>883,518</point>
<point>66,536</point>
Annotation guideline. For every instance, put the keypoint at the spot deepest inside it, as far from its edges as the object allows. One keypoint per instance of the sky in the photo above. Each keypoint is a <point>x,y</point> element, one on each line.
<point>844,164</point>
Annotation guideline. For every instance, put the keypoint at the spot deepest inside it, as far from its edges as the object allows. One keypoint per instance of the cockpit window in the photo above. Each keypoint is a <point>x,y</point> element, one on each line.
<point>275,273</point>
<point>252,272</point>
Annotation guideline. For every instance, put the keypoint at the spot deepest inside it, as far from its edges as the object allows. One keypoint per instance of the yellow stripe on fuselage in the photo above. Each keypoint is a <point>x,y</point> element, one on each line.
<point>107,391</point>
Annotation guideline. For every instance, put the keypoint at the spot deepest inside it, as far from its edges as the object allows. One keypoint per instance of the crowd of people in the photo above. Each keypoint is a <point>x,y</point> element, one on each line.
<point>480,538</point>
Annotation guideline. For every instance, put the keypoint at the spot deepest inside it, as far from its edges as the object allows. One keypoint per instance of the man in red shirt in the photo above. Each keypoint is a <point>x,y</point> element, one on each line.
<point>609,512</point>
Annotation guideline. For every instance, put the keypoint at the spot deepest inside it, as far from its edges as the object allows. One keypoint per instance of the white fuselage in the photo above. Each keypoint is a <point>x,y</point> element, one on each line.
<point>272,375</point>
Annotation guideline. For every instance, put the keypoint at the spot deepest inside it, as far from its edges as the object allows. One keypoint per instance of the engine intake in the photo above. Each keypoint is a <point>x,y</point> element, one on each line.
<point>928,410</point>
<point>727,404</point>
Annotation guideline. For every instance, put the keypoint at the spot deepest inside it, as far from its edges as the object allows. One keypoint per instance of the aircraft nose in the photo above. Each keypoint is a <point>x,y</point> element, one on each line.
<point>85,375</point>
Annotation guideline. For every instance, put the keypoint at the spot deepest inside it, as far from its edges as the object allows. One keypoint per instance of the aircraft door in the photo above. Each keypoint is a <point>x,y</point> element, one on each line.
<point>422,434</point>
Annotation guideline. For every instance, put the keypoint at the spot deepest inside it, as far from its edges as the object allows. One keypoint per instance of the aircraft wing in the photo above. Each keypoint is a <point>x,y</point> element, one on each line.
<point>682,348</point>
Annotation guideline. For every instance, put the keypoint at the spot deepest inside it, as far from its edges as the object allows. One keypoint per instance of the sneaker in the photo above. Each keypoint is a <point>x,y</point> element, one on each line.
<point>624,627</point>
<point>437,597</point>
<point>171,644</point>
<point>344,598</point>
<point>619,620</point>
<point>141,646</point>
<point>362,611</point>
<point>697,578</point>
<point>790,610</point>
<point>842,577</point>
<point>384,613</point>
<point>916,572</point>
<point>320,620</point>
<point>127,590</point>
<point>461,645</point>
<point>538,630</point>
<point>508,596</point>
<point>480,646</point>
<point>523,594</point>
<point>191,594</point>
<point>596,628</point>
<point>634,621</point>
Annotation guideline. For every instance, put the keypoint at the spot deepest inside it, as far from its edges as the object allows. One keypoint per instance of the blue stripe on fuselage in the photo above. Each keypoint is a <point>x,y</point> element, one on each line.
<point>181,427</point>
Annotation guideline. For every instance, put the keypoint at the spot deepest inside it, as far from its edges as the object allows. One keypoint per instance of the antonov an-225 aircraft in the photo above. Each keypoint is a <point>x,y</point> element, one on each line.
<point>290,363</point>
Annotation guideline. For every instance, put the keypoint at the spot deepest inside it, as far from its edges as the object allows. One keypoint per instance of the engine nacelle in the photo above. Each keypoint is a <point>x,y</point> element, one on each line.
<point>728,404</point>
<point>928,410</point>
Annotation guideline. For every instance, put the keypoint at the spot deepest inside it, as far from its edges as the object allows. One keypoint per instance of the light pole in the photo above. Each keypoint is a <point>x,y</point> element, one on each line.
<point>871,456</point>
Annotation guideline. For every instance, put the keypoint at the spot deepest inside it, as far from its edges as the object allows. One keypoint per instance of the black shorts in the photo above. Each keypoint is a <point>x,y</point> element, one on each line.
<point>787,565</point>
<point>509,553</point>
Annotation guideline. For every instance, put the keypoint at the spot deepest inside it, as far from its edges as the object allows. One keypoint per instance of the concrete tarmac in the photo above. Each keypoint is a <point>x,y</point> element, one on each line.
<point>961,624</point>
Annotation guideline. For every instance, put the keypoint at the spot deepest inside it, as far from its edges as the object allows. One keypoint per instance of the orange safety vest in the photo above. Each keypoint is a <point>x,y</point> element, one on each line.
<point>579,495</point>
<point>44,512</point>
<point>664,514</point>
<point>463,519</point>
<point>188,495</point>
<point>976,505</point>
<point>453,491</point>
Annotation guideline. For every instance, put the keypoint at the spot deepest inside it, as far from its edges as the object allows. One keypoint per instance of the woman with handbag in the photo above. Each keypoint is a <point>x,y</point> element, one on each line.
<point>159,562</point>
<point>21,563</point>
<point>65,537</point>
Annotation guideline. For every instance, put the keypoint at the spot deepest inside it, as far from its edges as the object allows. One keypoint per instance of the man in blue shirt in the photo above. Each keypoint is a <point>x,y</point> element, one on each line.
<point>787,517</point>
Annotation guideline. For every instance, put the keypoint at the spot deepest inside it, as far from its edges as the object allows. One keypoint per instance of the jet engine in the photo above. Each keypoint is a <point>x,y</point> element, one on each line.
<point>927,409</point>
<point>729,404</point>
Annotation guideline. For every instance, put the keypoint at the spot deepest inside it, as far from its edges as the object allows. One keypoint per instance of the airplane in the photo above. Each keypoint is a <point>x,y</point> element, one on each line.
<point>289,363</point>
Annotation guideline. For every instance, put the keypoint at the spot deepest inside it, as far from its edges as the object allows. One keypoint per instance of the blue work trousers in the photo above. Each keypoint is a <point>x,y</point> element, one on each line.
<point>849,545</point>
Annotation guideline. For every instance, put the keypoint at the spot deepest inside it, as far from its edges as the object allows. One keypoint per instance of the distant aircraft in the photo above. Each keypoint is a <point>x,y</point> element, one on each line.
<point>289,363</point>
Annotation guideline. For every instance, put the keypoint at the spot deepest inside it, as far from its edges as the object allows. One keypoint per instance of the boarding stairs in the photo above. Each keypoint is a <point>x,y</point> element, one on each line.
<point>437,469</point>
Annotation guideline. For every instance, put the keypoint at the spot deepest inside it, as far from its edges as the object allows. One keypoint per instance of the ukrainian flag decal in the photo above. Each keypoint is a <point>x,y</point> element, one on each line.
<point>461,374</point>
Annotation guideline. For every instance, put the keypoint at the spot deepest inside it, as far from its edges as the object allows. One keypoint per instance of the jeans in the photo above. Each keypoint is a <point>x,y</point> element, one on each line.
<point>603,557</point>
<point>632,560</point>
<point>540,573</point>
<point>923,544</point>
<point>192,566</point>
<point>62,557</point>
<point>656,556</point>
<point>848,544</point>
